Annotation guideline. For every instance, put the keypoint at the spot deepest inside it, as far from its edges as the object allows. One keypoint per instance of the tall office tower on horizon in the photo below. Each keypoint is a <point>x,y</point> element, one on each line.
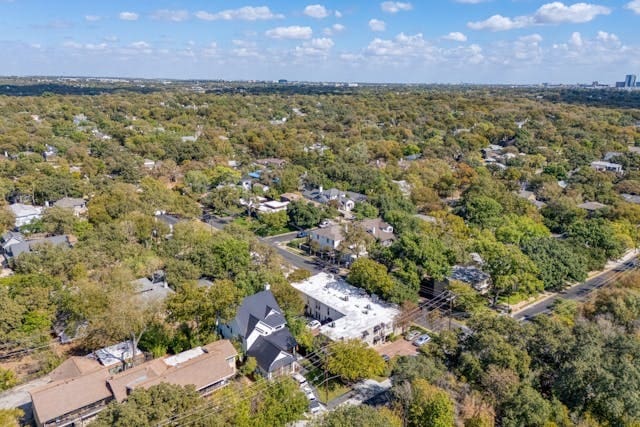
<point>630,80</point>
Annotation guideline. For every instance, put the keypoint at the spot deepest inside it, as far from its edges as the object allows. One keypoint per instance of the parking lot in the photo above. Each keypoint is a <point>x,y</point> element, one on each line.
<point>400,347</point>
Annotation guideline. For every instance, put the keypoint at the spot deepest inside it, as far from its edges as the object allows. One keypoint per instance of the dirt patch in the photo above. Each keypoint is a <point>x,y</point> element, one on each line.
<point>400,347</point>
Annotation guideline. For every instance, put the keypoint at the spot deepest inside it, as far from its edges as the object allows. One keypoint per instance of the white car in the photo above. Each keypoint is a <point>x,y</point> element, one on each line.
<point>309,392</point>
<point>422,340</point>
<point>314,324</point>
<point>315,407</point>
<point>302,381</point>
<point>325,223</point>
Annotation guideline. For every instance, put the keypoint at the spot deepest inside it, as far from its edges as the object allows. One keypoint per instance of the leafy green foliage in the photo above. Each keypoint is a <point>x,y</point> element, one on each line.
<point>359,416</point>
<point>148,407</point>
<point>353,360</point>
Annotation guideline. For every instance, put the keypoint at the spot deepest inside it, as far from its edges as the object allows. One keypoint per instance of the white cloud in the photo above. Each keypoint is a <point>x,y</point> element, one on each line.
<point>395,6</point>
<point>334,29</point>
<point>128,16</point>
<point>294,32</point>
<point>634,6</point>
<point>140,45</point>
<point>578,13</point>
<point>499,23</point>
<point>170,15</point>
<point>210,50</point>
<point>87,46</point>
<point>92,18</point>
<point>532,38</point>
<point>456,37</point>
<point>550,13</point>
<point>401,45</point>
<point>317,11</point>
<point>337,14</point>
<point>576,39</point>
<point>247,13</point>
<point>72,45</point>
<point>377,25</point>
<point>607,37</point>
<point>471,1</point>
<point>315,47</point>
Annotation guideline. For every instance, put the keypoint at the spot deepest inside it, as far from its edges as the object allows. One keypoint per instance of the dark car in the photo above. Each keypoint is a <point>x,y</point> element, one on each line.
<point>302,234</point>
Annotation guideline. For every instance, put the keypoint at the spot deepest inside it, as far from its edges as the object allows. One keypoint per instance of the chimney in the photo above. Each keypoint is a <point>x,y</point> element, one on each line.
<point>321,189</point>
<point>267,287</point>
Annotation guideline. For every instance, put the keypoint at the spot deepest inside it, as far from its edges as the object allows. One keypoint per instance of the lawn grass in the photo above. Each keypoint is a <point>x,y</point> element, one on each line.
<point>336,387</point>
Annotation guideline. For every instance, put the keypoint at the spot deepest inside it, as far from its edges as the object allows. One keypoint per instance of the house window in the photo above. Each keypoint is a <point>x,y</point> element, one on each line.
<point>328,311</point>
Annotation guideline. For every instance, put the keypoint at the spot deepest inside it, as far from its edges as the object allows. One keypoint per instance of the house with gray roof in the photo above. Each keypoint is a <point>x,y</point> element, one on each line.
<point>472,276</point>
<point>28,246</point>
<point>77,205</point>
<point>25,214</point>
<point>346,200</point>
<point>261,328</point>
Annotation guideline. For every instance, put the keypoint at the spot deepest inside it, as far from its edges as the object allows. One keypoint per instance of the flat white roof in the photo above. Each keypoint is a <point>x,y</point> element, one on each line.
<point>361,311</point>
<point>20,210</point>
<point>184,356</point>
<point>116,353</point>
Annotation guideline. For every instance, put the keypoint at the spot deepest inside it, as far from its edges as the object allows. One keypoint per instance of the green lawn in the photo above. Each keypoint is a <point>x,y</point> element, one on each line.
<point>336,387</point>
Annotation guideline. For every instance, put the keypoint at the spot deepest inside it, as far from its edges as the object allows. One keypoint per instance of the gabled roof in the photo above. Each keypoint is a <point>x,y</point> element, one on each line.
<point>21,210</point>
<point>267,354</point>
<point>29,245</point>
<point>74,367</point>
<point>258,306</point>
<point>333,232</point>
<point>70,203</point>
<point>59,398</point>
<point>82,384</point>
<point>12,235</point>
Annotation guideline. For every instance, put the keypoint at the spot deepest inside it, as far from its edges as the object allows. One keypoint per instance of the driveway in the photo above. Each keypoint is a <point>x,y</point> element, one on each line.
<point>400,347</point>
<point>19,397</point>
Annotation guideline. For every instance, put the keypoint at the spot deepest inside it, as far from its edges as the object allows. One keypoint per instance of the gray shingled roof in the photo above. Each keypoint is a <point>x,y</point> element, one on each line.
<point>27,246</point>
<point>258,306</point>
<point>266,352</point>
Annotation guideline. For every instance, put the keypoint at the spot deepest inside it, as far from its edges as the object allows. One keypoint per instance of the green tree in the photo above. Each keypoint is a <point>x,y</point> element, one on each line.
<point>148,407</point>
<point>280,405</point>
<point>359,416</point>
<point>368,274</point>
<point>483,211</point>
<point>431,406</point>
<point>353,360</point>
<point>11,417</point>
<point>303,214</point>
<point>8,379</point>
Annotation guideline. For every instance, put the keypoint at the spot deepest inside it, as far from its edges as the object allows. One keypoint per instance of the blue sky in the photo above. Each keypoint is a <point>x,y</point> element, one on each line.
<point>427,41</point>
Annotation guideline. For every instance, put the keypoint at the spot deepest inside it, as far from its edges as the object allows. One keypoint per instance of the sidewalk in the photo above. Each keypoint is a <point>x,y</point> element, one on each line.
<point>611,265</point>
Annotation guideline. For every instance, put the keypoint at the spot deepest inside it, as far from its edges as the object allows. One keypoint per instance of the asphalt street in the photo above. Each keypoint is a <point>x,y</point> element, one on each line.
<point>295,260</point>
<point>578,292</point>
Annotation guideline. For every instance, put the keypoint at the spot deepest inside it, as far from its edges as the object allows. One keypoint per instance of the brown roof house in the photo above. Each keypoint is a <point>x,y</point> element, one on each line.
<point>82,387</point>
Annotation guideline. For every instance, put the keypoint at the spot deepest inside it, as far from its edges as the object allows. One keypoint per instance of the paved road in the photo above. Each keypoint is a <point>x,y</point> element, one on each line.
<point>578,292</point>
<point>296,260</point>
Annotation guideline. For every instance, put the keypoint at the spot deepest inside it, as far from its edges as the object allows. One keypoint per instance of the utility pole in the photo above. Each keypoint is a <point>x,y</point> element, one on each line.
<point>450,311</point>
<point>326,382</point>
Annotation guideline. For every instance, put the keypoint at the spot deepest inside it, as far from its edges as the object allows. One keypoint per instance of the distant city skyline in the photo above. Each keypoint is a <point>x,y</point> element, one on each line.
<point>453,41</point>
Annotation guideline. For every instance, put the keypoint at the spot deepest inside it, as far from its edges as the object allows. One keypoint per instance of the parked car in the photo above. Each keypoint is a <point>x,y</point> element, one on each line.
<point>412,335</point>
<point>315,407</point>
<point>422,340</point>
<point>314,324</point>
<point>302,381</point>
<point>325,223</point>
<point>386,358</point>
<point>302,234</point>
<point>308,391</point>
